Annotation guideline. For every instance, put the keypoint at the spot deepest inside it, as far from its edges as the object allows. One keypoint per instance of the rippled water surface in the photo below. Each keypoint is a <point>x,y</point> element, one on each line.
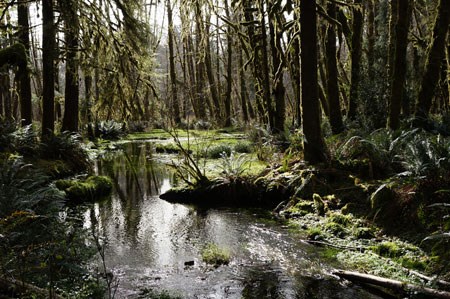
<point>150,241</point>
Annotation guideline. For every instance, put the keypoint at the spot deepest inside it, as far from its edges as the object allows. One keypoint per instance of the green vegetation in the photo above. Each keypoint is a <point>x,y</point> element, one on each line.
<point>92,188</point>
<point>216,256</point>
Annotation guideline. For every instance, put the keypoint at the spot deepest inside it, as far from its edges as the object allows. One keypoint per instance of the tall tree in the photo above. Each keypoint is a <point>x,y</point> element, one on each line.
<point>278,90</point>
<point>173,77</point>
<point>314,145</point>
<point>356,51</point>
<point>48,58</point>
<point>435,58</point>
<point>399,64</point>
<point>24,75</point>
<point>332,85</point>
<point>69,12</point>
<point>229,69</point>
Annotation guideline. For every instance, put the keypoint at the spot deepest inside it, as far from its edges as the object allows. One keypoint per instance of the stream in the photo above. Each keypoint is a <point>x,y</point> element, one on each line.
<point>155,245</point>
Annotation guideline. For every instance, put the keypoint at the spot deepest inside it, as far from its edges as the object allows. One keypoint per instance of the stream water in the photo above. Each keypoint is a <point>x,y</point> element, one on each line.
<point>155,245</point>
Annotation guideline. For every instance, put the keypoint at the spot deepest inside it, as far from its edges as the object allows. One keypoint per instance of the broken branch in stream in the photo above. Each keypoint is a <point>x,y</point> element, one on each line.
<point>391,284</point>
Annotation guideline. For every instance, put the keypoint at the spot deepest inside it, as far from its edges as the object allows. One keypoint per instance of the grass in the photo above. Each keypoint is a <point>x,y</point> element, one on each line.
<point>216,256</point>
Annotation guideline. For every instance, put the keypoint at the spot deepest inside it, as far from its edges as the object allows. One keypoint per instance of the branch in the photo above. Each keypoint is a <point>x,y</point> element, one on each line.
<point>392,284</point>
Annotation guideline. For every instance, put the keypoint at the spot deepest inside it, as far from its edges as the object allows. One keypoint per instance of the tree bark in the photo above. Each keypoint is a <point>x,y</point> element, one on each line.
<point>356,51</point>
<point>24,75</point>
<point>71,91</point>
<point>314,145</point>
<point>399,64</point>
<point>173,77</point>
<point>435,58</point>
<point>335,114</point>
<point>48,58</point>
<point>229,70</point>
<point>278,89</point>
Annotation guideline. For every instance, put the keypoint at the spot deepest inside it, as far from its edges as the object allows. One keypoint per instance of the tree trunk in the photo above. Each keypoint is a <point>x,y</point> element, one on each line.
<point>314,145</point>
<point>229,70</point>
<point>392,38</point>
<point>173,79</point>
<point>371,37</point>
<point>24,75</point>
<point>265,68</point>
<point>48,58</point>
<point>336,123</point>
<point>213,88</point>
<point>356,51</point>
<point>200,70</point>
<point>405,288</point>
<point>435,57</point>
<point>278,90</point>
<point>71,92</point>
<point>243,88</point>
<point>399,64</point>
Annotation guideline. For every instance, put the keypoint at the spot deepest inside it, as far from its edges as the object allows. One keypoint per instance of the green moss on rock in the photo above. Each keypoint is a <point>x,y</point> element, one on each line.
<point>93,188</point>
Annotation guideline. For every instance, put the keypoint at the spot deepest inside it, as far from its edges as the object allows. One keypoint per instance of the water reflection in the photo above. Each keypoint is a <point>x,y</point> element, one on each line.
<point>149,241</point>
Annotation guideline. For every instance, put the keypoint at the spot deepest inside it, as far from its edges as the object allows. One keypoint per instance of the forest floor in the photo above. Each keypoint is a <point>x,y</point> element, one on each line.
<point>367,218</point>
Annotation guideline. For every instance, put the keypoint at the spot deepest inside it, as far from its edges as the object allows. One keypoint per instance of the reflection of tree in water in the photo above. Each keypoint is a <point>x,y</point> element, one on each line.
<point>135,177</point>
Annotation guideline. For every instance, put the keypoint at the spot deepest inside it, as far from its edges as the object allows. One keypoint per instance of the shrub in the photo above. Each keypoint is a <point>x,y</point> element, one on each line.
<point>67,147</point>
<point>243,147</point>
<point>110,130</point>
<point>215,152</point>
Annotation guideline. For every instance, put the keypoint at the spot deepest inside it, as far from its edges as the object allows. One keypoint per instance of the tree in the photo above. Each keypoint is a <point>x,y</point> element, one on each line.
<point>336,123</point>
<point>24,75</point>
<point>356,51</point>
<point>71,93</point>
<point>399,64</point>
<point>173,78</point>
<point>48,58</point>
<point>314,145</point>
<point>278,90</point>
<point>435,57</point>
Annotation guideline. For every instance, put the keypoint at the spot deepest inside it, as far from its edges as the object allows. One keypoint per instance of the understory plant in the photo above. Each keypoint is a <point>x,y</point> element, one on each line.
<point>38,244</point>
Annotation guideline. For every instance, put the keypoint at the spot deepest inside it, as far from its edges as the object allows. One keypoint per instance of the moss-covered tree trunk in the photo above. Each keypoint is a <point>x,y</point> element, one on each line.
<point>371,37</point>
<point>24,75</point>
<point>69,12</point>
<point>435,57</point>
<point>175,106</point>
<point>229,70</point>
<point>202,101</point>
<point>393,15</point>
<point>276,35</point>
<point>332,85</point>
<point>356,51</point>
<point>48,70</point>
<point>397,85</point>
<point>213,88</point>
<point>314,145</point>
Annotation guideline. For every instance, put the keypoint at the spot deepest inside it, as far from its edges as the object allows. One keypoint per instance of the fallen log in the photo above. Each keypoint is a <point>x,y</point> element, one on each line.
<point>392,284</point>
<point>16,287</point>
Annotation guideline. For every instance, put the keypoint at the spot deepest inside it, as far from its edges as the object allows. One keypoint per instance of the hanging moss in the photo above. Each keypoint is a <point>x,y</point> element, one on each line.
<point>93,188</point>
<point>13,55</point>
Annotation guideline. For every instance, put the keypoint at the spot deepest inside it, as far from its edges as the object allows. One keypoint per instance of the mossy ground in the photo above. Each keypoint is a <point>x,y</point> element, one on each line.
<point>92,188</point>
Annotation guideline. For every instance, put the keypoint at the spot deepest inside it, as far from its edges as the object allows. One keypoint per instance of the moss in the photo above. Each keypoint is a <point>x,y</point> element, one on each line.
<point>216,256</point>
<point>315,233</point>
<point>93,188</point>
<point>339,218</point>
<point>387,249</point>
<point>336,229</point>
<point>320,205</point>
<point>301,208</point>
<point>363,233</point>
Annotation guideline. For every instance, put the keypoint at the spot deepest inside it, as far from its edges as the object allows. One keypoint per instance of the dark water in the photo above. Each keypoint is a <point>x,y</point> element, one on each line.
<point>149,241</point>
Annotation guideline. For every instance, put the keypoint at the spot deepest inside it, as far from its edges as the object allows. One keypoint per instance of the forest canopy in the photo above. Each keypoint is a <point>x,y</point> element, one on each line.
<point>322,66</point>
